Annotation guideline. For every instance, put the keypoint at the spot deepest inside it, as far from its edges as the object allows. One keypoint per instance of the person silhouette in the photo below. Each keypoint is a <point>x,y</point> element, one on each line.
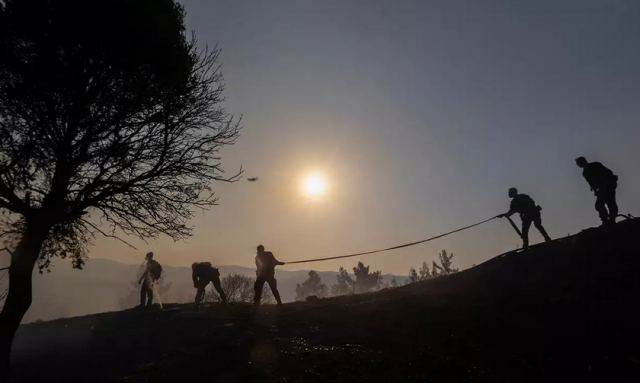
<point>152,272</point>
<point>265,272</point>
<point>603,183</point>
<point>202,274</point>
<point>529,213</point>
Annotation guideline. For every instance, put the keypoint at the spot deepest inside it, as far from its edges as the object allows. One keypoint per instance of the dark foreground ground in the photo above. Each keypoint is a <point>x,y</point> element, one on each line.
<point>565,312</point>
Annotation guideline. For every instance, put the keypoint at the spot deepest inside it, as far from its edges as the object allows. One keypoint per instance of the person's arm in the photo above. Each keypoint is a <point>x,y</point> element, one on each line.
<point>194,276</point>
<point>258,265</point>
<point>590,179</point>
<point>594,173</point>
<point>511,211</point>
<point>144,275</point>
<point>275,261</point>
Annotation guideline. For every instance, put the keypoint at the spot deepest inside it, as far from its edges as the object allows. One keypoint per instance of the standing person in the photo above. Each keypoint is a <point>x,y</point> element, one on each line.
<point>152,272</point>
<point>603,183</point>
<point>529,213</point>
<point>202,274</point>
<point>265,272</point>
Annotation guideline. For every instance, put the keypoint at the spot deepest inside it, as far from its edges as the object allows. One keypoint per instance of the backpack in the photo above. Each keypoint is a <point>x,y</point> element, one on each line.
<point>155,269</point>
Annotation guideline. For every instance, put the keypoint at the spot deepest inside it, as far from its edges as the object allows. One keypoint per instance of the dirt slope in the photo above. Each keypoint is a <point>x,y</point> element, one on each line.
<point>564,311</point>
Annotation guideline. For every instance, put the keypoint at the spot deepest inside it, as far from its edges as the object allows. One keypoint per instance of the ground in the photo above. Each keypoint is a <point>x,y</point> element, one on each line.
<point>564,311</point>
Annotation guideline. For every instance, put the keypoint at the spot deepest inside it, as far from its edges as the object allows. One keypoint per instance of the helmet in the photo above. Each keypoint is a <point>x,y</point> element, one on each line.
<point>260,248</point>
<point>513,192</point>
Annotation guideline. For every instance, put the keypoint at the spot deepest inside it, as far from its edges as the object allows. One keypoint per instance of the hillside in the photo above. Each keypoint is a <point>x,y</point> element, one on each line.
<point>564,311</point>
<point>104,285</point>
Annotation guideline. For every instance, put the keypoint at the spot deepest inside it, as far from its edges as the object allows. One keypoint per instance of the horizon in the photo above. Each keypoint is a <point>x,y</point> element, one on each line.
<point>304,190</point>
<point>420,116</point>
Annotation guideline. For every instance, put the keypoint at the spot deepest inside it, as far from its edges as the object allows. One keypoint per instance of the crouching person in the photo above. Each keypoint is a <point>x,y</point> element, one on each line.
<point>203,274</point>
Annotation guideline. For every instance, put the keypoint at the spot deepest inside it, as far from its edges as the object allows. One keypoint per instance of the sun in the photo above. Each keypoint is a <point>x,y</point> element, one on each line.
<point>314,185</point>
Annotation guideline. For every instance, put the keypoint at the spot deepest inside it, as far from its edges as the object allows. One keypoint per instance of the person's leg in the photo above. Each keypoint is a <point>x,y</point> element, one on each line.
<point>611,203</point>
<point>257,290</point>
<point>538,224</point>
<point>199,294</point>
<point>273,284</point>
<point>526,224</point>
<point>218,287</point>
<point>143,294</point>
<point>600,207</point>
<point>149,294</point>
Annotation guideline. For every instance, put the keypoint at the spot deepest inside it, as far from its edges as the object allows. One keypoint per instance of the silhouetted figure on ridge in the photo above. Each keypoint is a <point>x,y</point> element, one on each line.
<point>202,274</point>
<point>265,272</point>
<point>603,183</point>
<point>529,213</point>
<point>152,272</point>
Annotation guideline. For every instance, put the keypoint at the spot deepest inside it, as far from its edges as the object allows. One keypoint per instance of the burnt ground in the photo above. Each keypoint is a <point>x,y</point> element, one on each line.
<point>564,311</point>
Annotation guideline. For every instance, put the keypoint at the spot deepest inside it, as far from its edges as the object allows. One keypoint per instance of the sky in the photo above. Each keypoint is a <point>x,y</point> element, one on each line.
<point>420,115</point>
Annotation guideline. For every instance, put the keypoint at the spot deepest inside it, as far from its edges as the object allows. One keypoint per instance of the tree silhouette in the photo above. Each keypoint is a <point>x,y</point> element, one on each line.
<point>425,273</point>
<point>110,123</point>
<point>446,262</point>
<point>238,287</point>
<point>311,286</point>
<point>444,268</point>
<point>344,284</point>
<point>366,281</point>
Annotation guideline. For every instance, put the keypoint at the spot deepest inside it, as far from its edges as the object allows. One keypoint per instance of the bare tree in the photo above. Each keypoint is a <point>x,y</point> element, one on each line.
<point>239,288</point>
<point>103,130</point>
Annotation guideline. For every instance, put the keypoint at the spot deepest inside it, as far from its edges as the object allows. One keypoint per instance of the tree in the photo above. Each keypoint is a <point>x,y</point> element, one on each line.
<point>425,273</point>
<point>436,269</point>
<point>444,268</point>
<point>311,286</point>
<point>365,280</point>
<point>446,262</point>
<point>239,288</point>
<point>344,285</point>
<point>103,130</point>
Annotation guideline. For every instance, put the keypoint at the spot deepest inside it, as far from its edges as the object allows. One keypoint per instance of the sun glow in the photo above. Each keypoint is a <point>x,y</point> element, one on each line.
<point>314,185</point>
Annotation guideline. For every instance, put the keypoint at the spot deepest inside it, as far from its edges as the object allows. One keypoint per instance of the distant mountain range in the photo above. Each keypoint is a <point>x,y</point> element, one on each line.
<point>105,285</point>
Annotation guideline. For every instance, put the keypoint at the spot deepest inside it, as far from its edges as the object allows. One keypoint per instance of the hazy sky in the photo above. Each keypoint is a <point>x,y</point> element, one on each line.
<point>421,114</point>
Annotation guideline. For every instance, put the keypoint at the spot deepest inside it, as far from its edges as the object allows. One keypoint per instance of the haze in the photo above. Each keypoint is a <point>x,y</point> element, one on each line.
<point>420,114</point>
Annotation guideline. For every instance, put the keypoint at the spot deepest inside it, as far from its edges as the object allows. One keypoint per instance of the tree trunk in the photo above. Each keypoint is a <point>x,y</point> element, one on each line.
<point>18,300</point>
